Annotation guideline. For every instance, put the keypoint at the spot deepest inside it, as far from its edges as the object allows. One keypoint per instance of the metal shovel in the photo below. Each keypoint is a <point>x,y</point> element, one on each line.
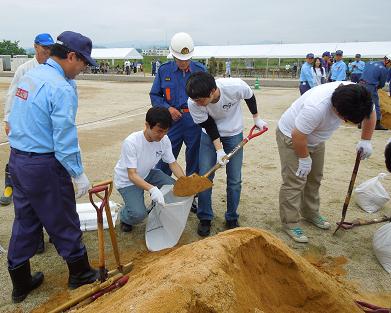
<point>190,185</point>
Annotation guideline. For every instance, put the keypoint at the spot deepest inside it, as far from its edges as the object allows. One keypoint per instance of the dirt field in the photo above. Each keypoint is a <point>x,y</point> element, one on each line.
<point>125,105</point>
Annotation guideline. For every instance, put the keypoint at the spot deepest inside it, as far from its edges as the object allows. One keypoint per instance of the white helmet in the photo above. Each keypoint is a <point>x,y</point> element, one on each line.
<point>182,46</point>
<point>388,56</point>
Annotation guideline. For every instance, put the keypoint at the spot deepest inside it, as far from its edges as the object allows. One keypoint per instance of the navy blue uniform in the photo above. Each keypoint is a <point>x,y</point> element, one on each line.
<point>169,90</point>
<point>373,78</point>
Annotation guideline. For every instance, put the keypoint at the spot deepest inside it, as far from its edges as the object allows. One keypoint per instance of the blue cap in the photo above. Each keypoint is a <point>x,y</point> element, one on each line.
<point>339,52</point>
<point>310,56</point>
<point>326,54</point>
<point>358,55</point>
<point>44,40</point>
<point>78,43</point>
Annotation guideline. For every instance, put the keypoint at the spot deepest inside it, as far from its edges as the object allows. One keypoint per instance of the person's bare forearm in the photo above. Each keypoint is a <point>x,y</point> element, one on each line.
<point>176,169</point>
<point>367,127</point>
<point>138,180</point>
<point>300,142</point>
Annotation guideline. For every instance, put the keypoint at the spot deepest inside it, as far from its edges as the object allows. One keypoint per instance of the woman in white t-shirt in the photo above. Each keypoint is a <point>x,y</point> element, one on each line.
<point>319,72</point>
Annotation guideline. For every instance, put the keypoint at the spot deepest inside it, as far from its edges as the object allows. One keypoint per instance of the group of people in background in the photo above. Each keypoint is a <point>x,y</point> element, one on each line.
<point>373,75</point>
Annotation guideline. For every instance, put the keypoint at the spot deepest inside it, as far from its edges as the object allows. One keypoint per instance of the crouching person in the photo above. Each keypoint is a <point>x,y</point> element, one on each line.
<point>135,172</point>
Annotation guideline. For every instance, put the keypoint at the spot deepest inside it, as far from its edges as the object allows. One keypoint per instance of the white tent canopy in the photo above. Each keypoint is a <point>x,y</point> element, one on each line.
<point>115,54</point>
<point>375,49</point>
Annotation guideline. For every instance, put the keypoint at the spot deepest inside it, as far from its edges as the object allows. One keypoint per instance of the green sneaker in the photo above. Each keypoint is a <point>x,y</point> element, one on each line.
<point>296,234</point>
<point>319,221</point>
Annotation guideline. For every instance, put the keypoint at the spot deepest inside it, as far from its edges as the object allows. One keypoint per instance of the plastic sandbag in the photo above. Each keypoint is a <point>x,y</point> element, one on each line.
<point>382,246</point>
<point>371,195</point>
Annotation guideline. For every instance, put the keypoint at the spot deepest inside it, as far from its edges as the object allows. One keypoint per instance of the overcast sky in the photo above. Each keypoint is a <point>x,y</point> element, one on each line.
<point>210,22</point>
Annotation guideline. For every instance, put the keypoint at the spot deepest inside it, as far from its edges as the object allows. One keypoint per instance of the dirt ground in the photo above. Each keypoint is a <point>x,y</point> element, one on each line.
<point>109,111</point>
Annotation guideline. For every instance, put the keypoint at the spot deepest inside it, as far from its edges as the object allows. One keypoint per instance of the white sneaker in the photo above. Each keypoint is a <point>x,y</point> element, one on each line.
<point>319,222</point>
<point>296,234</point>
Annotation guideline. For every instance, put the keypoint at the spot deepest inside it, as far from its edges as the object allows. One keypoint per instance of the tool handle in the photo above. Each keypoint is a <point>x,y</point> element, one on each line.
<point>95,191</point>
<point>250,136</point>
<point>108,183</point>
<point>350,189</point>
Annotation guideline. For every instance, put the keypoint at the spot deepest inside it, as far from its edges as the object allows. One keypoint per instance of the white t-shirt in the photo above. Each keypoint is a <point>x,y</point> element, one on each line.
<point>227,112</point>
<point>317,72</point>
<point>138,153</point>
<point>312,114</point>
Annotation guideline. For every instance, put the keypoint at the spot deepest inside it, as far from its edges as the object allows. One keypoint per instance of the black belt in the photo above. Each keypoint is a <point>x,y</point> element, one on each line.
<point>31,153</point>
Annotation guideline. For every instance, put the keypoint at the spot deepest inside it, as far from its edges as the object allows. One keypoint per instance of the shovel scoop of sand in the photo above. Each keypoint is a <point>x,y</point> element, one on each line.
<point>190,185</point>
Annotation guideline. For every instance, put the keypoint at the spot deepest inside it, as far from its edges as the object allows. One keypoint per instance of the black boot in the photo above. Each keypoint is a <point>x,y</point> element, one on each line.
<point>379,126</point>
<point>204,228</point>
<point>23,282</point>
<point>81,273</point>
<point>41,244</point>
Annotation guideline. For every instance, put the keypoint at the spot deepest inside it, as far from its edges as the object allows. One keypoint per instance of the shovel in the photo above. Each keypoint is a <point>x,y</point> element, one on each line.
<point>361,222</point>
<point>190,185</point>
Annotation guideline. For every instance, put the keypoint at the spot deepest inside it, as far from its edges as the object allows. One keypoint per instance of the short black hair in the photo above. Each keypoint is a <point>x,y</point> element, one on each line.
<point>200,85</point>
<point>387,155</point>
<point>159,115</point>
<point>353,102</point>
<point>62,52</point>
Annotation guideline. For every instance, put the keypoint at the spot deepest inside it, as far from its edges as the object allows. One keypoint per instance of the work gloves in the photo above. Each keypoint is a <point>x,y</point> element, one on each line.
<point>259,123</point>
<point>157,195</point>
<point>82,185</point>
<point>304,167</point>
<point>220,155</point>
<point>366,148</point>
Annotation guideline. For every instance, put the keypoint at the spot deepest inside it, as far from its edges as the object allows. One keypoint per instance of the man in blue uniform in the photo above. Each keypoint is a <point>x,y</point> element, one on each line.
<point>169,91</point>
<point>326,62</point>
<point>356,68</point>
<point>45,155</point>
<point>338,69</point>
<point>306,77</point>
<point>373,78</point>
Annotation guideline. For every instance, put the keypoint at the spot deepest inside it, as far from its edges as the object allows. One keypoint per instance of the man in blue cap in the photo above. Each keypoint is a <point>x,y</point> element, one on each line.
<point>339,68</point>
<point>326,62</point>
<point>42,44</point>
<point>373,78</point>
<point>45,158</point>
<point>356,68</point>
<point>306,77</point>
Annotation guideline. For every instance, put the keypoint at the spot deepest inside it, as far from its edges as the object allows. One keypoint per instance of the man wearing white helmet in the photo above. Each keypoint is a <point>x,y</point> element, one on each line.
<point>169,91</point>
<point>373,78</point>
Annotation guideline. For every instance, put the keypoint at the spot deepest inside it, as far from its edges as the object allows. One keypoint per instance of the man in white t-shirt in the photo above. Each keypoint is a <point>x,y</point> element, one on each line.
<point>215,106</point>
<point>135,172</point>
<point>301,134</point>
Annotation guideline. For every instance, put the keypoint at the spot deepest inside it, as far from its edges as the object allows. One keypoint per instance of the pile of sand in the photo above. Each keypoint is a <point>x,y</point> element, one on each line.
<point>243,270</point>
<point>385,108</point>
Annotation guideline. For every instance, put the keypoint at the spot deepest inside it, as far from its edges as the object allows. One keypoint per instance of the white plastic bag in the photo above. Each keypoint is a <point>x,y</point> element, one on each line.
<point>382,246</point>
<point>371,195</point>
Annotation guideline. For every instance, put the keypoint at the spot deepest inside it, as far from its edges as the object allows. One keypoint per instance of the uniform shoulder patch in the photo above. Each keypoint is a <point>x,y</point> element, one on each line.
<point>21,93</point>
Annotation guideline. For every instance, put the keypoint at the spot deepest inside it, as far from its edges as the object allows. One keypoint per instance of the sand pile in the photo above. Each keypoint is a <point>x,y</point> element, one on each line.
<point>385,107</point>
<point>243,270</point>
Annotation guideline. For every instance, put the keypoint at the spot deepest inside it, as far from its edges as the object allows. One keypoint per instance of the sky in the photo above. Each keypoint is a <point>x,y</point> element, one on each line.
<point>209,22</point>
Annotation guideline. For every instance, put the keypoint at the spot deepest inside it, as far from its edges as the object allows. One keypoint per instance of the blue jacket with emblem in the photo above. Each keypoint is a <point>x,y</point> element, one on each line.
<point>375,73</point>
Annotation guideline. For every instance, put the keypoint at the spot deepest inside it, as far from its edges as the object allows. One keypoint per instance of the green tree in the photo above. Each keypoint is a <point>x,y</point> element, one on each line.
<point>9,47</point>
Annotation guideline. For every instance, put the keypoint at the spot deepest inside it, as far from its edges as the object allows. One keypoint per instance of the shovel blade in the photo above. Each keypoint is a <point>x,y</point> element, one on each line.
<point>190,185</point>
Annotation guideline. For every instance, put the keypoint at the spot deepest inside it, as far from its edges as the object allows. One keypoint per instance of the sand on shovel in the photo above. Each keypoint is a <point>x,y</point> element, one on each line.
<point>241,270</point>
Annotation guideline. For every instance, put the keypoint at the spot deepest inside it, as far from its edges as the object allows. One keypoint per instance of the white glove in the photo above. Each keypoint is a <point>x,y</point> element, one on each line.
<point>366,148</point>
<point>304,167</point>
<point>157,195</point>
<point>220,155</point>
<point>82,185</point>
<point>259,123</point>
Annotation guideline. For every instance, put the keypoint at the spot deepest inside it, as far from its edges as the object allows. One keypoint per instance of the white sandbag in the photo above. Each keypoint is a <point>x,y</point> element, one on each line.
<point>166,223</point>
<point>371,195</point>
<point>88,217</point>
<point>382,246</point>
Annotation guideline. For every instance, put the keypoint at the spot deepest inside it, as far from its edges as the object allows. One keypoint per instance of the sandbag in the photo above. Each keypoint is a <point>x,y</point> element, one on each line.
<point>88,218</point>
<point>382,246</point>
<point>371,195</point>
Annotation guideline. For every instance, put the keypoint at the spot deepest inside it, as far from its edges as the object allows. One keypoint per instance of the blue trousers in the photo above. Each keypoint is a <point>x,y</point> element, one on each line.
<point>234,176</point>
<point>134,210</point>
<point>304,87</point>
<point>43,195</point>
<point>184,130</point>
<point>375,99</point>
